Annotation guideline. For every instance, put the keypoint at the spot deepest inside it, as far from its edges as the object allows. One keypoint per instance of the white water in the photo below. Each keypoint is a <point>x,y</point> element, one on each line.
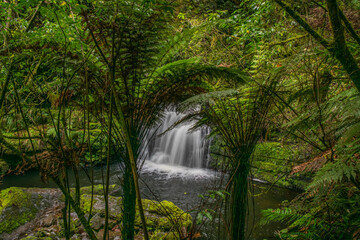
<point>179,152</point>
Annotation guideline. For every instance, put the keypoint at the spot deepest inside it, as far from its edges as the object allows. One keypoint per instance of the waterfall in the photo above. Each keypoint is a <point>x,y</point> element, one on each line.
<point>179,147</point>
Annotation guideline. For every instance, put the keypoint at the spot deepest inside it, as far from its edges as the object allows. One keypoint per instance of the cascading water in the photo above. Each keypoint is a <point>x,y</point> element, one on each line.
<point>179,147</point>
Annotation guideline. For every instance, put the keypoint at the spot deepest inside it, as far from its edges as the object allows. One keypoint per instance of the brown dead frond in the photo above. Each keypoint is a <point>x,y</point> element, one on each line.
<point>313,165</point>
<point>54,163</point>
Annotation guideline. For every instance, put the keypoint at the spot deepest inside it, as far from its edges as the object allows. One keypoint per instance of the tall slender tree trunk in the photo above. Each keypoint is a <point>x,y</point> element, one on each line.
<point>129,203</point>
<point>130,167</point>
<point>76,206</point>
<point>239,197</point>
<point>107,181</point>
<point>338,48</point>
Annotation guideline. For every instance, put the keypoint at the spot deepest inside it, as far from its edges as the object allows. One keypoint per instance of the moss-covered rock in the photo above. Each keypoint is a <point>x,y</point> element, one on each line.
<point>98,189</point>
<point>164,216</point>
<point>98,205</point>
<point>158,235</point>
<point>41,207</point>
<point>16,208</point>
<point>36,238</point>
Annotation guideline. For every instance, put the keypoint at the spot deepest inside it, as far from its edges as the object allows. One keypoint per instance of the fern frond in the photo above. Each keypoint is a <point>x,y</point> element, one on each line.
<point>206,98</point>
<point>334,172</point>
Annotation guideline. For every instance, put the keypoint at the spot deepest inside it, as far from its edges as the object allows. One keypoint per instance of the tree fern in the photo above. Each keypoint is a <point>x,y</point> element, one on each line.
<point>329,207</point>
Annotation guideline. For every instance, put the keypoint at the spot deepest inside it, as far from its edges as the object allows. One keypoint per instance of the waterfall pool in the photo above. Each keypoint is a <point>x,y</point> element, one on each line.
<point>180,185</point>
<point>176,170</point>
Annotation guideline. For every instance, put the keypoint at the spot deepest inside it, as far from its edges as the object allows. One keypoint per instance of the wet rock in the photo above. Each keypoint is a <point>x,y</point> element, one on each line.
<point>98,205</point>
<point>47,221</point>
<point>97,222</point>
<point>112,235</point>
<point>39,216</point>
<point>159,215</point>
<point>165,235</point>
<point>30,208</point>
<point>75,237</point>
<point>16,209</point>
<point>84,236</point>
<point>98,189</point>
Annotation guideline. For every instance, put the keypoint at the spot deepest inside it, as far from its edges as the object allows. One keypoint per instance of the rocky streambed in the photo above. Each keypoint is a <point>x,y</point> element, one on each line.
<point>36,213</point>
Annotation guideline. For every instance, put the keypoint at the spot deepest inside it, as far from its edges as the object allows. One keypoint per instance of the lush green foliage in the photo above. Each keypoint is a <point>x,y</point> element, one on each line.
<point>84,81</point>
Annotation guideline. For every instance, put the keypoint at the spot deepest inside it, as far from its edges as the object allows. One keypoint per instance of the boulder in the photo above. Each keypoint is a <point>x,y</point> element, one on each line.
<point>35,213</point>
<point>16,209</point>
<point>163,215</point>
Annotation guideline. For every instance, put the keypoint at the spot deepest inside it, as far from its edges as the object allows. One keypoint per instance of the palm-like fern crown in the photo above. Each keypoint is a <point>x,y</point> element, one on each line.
<point>130,38</point>
<point>238,116</point>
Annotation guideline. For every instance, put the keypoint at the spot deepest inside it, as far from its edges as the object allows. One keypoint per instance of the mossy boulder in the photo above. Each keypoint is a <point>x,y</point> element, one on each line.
<point>98,189</point>
<point>165,236</point>
<point>16,208</point>
<point>164,216</point>
<point>25,211</point>
<point>37,238</point>
<point>98,206</point>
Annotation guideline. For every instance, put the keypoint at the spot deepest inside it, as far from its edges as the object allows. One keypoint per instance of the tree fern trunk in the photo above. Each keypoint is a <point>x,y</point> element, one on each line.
<point>239,199</point>
<point>129,203</point>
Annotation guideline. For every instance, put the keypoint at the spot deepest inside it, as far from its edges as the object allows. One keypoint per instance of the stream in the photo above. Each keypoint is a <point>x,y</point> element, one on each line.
<point>176,170</point>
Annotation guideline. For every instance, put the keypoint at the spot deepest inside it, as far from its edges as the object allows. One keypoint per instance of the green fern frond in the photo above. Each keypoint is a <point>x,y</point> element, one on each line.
<point>284,215</point>
<point>335,172</point>
<point>201,99</point>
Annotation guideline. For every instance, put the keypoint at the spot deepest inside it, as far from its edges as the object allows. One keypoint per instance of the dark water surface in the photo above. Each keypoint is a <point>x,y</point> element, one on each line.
<point>180,185</point>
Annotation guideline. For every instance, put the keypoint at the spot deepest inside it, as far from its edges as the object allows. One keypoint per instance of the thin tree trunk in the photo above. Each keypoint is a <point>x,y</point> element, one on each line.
<point>129,203</point>
<point>349,27</point>
<point>239,199</point>
<point>5,86</point>
<point>65,220</point>
<point>137,189</point>
<point>106,192</point>
<point>339,48</point>
<point>132,160</point>
<point>76,208</point>
<point>33,16</point>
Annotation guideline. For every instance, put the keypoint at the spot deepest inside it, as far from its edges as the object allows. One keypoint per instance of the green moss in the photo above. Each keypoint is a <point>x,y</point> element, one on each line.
<point>164,236</point>
<point>29,238</point>
<point>36,238</point>
<point>15,209</point>
<point>98,189</point>
<point>273,161</point>
<point>12,197</point>
<point>74,228</point>
<point>163,216</point>
<point>274,151</point>
<point>85,203</point>
<point>177,215</point>
<point>115,204</point>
